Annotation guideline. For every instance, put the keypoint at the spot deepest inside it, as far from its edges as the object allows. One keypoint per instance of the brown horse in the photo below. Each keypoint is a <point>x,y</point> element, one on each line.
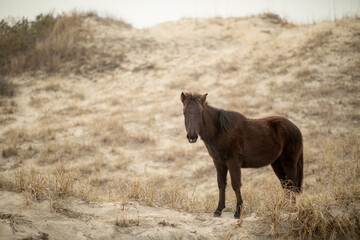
<point>235,142</point>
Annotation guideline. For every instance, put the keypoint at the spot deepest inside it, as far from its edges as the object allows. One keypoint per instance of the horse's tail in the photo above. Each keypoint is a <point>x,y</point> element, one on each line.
<point>300,172</point>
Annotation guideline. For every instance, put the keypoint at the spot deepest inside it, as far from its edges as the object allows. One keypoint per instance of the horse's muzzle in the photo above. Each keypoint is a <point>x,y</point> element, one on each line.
<point>192,138</point>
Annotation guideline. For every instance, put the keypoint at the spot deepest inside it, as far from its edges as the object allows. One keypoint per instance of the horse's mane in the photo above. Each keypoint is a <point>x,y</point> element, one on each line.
<point>229,121</point>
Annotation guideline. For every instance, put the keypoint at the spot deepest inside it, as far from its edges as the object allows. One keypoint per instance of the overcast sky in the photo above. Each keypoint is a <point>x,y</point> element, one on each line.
<point>145,13</point>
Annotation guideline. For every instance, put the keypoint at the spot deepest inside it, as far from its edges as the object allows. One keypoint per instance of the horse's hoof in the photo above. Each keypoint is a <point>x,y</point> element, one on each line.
<point>237,215</point>
<point>217,213</point>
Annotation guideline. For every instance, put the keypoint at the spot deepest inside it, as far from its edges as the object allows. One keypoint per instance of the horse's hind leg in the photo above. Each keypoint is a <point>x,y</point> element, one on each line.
<point>289,165</point>
<point>221,170</point>
<point>283,177</point>
<point>279,171</point>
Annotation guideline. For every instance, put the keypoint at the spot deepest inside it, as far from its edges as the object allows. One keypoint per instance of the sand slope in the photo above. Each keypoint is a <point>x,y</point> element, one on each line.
<point>117,131</point>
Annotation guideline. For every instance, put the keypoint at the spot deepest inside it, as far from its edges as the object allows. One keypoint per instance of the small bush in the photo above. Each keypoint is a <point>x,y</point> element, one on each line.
<point>38,45</point>
<point>276,19</point>
<point>43,44</point>
<point>18,39</point>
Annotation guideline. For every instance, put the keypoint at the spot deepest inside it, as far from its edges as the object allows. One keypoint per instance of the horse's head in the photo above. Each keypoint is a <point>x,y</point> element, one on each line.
<point>193,112</point>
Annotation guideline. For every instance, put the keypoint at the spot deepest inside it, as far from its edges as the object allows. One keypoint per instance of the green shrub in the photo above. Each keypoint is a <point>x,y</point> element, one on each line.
<point>18,41</point>
<point>43,44</point>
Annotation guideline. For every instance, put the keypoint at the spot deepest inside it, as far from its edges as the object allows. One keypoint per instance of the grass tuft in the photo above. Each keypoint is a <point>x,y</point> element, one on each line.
<point>7,88</point>
<point>40,185</point>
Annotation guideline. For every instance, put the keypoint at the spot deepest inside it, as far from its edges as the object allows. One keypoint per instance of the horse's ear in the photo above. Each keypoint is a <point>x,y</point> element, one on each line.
<point>203,98</point>
<point>182,97</point>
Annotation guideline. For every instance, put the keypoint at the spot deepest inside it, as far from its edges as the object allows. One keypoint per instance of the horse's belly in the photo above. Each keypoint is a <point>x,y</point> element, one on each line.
<point>255,164</point>
<point>254,160</point>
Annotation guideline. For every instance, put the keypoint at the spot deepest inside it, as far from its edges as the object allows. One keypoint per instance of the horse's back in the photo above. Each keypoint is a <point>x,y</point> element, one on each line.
<point>277,128</point>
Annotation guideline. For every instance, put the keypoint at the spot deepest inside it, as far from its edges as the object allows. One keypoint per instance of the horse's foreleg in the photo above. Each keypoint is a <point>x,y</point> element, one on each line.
<point>235,174</point>
<point>221,170</point>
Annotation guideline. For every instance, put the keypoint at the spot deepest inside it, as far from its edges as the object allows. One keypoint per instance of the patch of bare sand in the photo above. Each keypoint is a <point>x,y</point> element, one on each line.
<point>77,219</point>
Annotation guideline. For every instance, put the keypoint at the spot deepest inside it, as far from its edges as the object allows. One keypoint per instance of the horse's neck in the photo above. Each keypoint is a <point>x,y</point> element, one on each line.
<point>211,124</point>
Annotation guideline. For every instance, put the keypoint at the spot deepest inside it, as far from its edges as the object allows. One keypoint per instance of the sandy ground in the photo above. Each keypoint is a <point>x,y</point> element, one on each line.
<point>81,220</point>
<point>115,125</point>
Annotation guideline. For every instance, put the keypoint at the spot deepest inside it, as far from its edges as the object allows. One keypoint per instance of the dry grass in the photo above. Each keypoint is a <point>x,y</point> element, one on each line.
<point>304,72</point>
<point>127,221</point>
<point>44,44</point>
<point>7,109</point>
<point>54,44</point>
<point>157,191</point>
<point>11,146</point>
<point>61,45</point>
<point>314,47</point>
<point>41,45</point>
<point>7,88</point>
<point>111,132</point>
<point>11,150</point>
<point>276,19</point>
<point>40,185</point>
<point>175,154</point>
<point>328,209</point>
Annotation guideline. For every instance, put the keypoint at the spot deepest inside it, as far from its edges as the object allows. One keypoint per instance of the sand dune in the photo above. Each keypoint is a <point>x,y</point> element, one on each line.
<point>102,154</point>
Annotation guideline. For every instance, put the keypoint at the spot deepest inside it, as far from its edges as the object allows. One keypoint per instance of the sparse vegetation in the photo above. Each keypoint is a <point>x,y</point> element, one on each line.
<point>7,88</point>
<point>117,138</point>
<point>20,37</point>
<point>42,44</point>
<point>49,44</point>
<point>9,151</point>
<point>39,185</point>
<point>276,19</point>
